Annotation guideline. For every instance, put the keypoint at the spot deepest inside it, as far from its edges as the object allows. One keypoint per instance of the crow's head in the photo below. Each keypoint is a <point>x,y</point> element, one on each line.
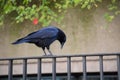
<point>61,38</point>
<point>62,42</point>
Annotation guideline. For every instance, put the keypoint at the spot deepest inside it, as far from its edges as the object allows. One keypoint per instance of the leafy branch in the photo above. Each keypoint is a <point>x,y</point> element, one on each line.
<point>47,11</point>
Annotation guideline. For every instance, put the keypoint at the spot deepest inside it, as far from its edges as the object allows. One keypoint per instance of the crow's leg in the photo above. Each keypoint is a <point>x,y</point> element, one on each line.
<point>44,51</point>
<point>49,51</point>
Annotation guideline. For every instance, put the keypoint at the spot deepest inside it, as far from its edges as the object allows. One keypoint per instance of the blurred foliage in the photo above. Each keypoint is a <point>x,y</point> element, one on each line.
<point>47,11</point>
<point>114,8</point>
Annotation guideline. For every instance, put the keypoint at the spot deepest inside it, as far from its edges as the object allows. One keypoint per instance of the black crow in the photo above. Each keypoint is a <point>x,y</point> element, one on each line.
<point>44,37</point>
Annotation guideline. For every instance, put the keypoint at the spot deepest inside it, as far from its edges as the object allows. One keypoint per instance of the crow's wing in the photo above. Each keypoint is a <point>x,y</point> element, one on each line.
<point>43,33</point>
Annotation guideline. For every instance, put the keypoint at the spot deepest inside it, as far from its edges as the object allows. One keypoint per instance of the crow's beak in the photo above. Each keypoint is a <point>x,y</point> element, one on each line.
<point>62,45</point>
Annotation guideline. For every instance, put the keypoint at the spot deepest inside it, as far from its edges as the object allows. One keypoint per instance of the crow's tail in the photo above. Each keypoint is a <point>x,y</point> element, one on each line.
<point>19,41</point>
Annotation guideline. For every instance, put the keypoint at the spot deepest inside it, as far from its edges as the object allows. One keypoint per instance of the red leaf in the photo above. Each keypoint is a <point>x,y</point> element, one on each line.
<point>35,21</point>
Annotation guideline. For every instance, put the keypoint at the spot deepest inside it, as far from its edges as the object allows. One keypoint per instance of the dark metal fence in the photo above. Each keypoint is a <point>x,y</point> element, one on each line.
<point>39,63</point>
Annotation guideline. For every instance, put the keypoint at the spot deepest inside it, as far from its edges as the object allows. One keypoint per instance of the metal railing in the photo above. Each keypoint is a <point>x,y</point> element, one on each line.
<point>68,57</point>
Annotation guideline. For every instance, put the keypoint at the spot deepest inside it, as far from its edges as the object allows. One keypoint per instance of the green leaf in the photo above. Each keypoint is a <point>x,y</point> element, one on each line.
<point>109,17</point>
<point>34,6</point>
<point>8,8</point>
<point>113,1</point>
<point>77,2</point>
<point>117,12</point>
<point>89,6</point>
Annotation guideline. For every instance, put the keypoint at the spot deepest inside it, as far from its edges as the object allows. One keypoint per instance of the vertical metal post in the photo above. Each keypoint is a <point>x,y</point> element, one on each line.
<point>39,69</point>
<point>25,69</point>
<point>10,69</point>
<point>101,68</point>
<point>118,66</point>
<point>84,68</point>
<point>68,68</point>
<point>54,69</point>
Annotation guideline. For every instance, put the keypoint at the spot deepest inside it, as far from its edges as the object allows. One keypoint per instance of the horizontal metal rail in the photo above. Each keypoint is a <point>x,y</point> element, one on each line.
<point>68,65</point>
<point>61,56</point>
